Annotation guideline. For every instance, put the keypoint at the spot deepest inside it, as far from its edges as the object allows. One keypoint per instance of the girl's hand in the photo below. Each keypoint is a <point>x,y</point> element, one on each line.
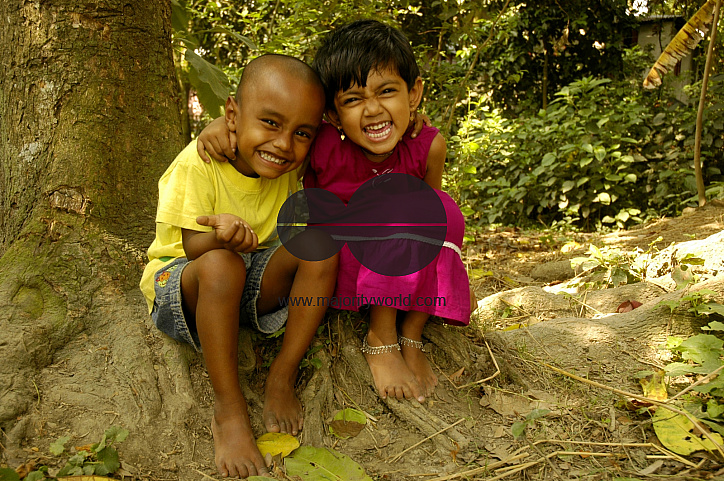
<point>231,232</point>
<point>217,141</point>
<point>417,123</point>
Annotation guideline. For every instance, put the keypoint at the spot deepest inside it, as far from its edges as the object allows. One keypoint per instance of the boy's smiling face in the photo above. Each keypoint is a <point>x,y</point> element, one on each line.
<point>376,116</point>
<point>275,123</point>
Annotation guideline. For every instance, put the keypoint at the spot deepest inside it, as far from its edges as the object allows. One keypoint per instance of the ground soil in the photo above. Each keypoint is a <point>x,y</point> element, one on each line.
<point>126,373</point>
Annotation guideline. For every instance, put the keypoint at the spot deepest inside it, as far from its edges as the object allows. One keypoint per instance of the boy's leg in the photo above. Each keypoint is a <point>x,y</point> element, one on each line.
<point>212,286</point>
<point>289,276</point>
<point>411,328</point>
<point>392,375</point>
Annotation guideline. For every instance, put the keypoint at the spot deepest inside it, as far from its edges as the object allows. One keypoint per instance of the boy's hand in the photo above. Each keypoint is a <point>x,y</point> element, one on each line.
<point>217,141</point>
<point>417,123</point>
<point>231,231</point>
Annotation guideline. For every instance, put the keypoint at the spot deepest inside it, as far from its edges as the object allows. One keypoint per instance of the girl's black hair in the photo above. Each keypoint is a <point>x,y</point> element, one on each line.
<point>350,53</point>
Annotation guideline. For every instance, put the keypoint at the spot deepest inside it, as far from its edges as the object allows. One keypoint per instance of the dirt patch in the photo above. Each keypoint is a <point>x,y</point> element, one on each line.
<point>118,370</point>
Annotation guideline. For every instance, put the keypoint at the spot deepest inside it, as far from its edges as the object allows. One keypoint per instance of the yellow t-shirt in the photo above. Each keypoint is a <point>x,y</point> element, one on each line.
<point>190,188</point>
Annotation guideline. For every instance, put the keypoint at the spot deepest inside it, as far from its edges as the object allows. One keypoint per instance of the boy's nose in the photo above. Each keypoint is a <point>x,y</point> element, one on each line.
<point>283,141</point>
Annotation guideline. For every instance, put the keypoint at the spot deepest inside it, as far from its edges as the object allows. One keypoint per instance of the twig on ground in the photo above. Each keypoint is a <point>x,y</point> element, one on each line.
<point>481,469</point>
<point>655,402</point>
<point>489,378</point>
<point>709,376</point>
<point>206,476</point>
<point>398,456</point>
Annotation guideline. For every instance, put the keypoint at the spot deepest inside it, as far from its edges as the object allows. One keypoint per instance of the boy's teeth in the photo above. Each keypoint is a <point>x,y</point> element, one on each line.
<point>270,158</point>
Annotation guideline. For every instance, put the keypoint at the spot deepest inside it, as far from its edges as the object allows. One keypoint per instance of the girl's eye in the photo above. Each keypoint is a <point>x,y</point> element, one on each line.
<point>304,134</point>
<point>349,100</point>
<point>269,122</point>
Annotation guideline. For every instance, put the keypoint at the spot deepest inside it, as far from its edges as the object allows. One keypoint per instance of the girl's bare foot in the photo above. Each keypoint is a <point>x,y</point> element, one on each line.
<point>416,360</point>
<point>391,374</point>
<point>283,412</point>
<point>236,454</point>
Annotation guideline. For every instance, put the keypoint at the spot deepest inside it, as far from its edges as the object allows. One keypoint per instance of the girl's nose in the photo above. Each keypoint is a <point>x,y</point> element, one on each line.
<point>372,106</point>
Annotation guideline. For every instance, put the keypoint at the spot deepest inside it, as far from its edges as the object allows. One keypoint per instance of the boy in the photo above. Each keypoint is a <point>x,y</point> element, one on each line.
<point>208,269</point>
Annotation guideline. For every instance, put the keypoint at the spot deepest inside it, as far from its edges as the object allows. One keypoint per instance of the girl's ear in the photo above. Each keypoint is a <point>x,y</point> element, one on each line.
<point>333,118</point>
<point>230,111</point>
<point>416,94</point>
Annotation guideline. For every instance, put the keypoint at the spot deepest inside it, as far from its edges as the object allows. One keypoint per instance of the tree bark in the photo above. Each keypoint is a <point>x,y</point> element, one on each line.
<point>89,120</point>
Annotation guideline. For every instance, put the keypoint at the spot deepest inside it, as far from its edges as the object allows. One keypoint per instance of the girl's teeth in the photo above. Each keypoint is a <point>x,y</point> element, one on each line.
<point>372,130</point>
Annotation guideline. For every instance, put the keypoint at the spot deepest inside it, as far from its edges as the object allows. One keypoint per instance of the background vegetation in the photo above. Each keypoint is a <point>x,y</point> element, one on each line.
<point>541,102</point>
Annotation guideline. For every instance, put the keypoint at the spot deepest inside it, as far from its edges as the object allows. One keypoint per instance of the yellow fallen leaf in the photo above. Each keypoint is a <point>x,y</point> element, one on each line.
<point>277,443</point>
<point>570,247</point>
<point>654,386</point>
<point>680,435</point>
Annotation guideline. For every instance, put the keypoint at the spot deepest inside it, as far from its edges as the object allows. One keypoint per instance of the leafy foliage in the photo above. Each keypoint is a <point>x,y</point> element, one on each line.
<point>603,153</point>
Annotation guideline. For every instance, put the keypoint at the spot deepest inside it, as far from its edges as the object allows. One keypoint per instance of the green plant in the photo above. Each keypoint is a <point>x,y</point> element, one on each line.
<point>100,459</point>
<point>610,267</point>
<point>519,427</point>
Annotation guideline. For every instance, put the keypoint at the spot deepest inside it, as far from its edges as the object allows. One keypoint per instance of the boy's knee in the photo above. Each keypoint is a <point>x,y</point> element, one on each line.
<point>220,266</point>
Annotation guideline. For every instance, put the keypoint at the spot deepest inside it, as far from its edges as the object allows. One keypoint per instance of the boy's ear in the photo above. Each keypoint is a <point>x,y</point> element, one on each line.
<point>333,117</point>
<point>416,94</point>
<point>230,113</point>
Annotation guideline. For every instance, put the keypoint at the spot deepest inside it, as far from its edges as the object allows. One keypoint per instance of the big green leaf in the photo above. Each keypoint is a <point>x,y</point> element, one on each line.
<point>321,464</point>
<point>211,84</point>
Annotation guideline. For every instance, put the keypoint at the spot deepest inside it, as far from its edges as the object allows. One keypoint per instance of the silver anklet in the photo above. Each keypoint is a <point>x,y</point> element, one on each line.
<point>406,341</point>
<point>367,349</point>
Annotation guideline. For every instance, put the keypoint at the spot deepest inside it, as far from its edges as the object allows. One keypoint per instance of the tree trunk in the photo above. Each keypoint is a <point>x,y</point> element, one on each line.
<point>89,120</point>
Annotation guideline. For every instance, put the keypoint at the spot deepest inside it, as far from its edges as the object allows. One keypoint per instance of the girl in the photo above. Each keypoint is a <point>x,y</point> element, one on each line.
<point>373,88</point>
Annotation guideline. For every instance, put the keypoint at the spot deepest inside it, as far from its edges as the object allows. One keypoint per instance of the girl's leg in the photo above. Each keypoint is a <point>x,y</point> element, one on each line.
<point>411,344</point>
<point>392,375</point>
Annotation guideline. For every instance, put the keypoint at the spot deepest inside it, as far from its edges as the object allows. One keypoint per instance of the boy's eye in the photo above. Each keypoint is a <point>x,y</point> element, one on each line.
<point>349,100</point>
<point>388,91</point>
<point>269,122</point>
<point>304,134</point>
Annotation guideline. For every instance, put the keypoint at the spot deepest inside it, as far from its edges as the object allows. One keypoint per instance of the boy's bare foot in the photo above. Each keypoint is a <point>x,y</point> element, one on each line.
<point>283,412</point>
<point>391,374</point>
<point>419,365</point>
<point>236,454</point>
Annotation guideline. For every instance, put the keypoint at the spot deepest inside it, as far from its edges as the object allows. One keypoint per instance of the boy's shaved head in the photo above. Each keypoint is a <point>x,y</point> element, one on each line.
<point>262,69</point>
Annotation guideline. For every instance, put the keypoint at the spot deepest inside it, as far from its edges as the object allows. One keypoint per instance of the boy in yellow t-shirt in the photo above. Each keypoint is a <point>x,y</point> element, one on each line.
<point>216,260</point>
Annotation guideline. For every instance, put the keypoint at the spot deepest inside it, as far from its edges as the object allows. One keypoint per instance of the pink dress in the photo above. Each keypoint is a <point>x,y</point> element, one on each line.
<point>441,287</point>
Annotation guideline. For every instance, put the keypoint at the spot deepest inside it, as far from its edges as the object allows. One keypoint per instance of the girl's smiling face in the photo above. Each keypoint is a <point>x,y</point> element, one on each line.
<point>376,116</point>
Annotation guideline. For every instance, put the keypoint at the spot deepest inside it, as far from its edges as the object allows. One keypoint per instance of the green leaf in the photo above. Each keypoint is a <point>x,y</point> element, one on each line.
<point>57,448</point>
<point>8,474</point>
<point>211,84</point>
<point>321,464</point>
<point>348,423</point>
<point>600,152</point>
<point>116,434</point>
<point>34,476</point>
<point>108,456</point>
<point>470,169</point>
<point>567,185</point>
<point>679,435</point>
<point>537,413</point>
<point>701,348</point>
<point>548,159</point>
<point>714,326</point>
<point>710,308</point>
<point>518,428</point>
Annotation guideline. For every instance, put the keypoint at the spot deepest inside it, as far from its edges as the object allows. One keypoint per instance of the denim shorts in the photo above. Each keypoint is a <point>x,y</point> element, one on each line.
<point>168,313</point>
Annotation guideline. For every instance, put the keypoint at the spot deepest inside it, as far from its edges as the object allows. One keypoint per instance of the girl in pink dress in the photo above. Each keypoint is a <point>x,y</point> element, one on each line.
<point>373,88</point>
